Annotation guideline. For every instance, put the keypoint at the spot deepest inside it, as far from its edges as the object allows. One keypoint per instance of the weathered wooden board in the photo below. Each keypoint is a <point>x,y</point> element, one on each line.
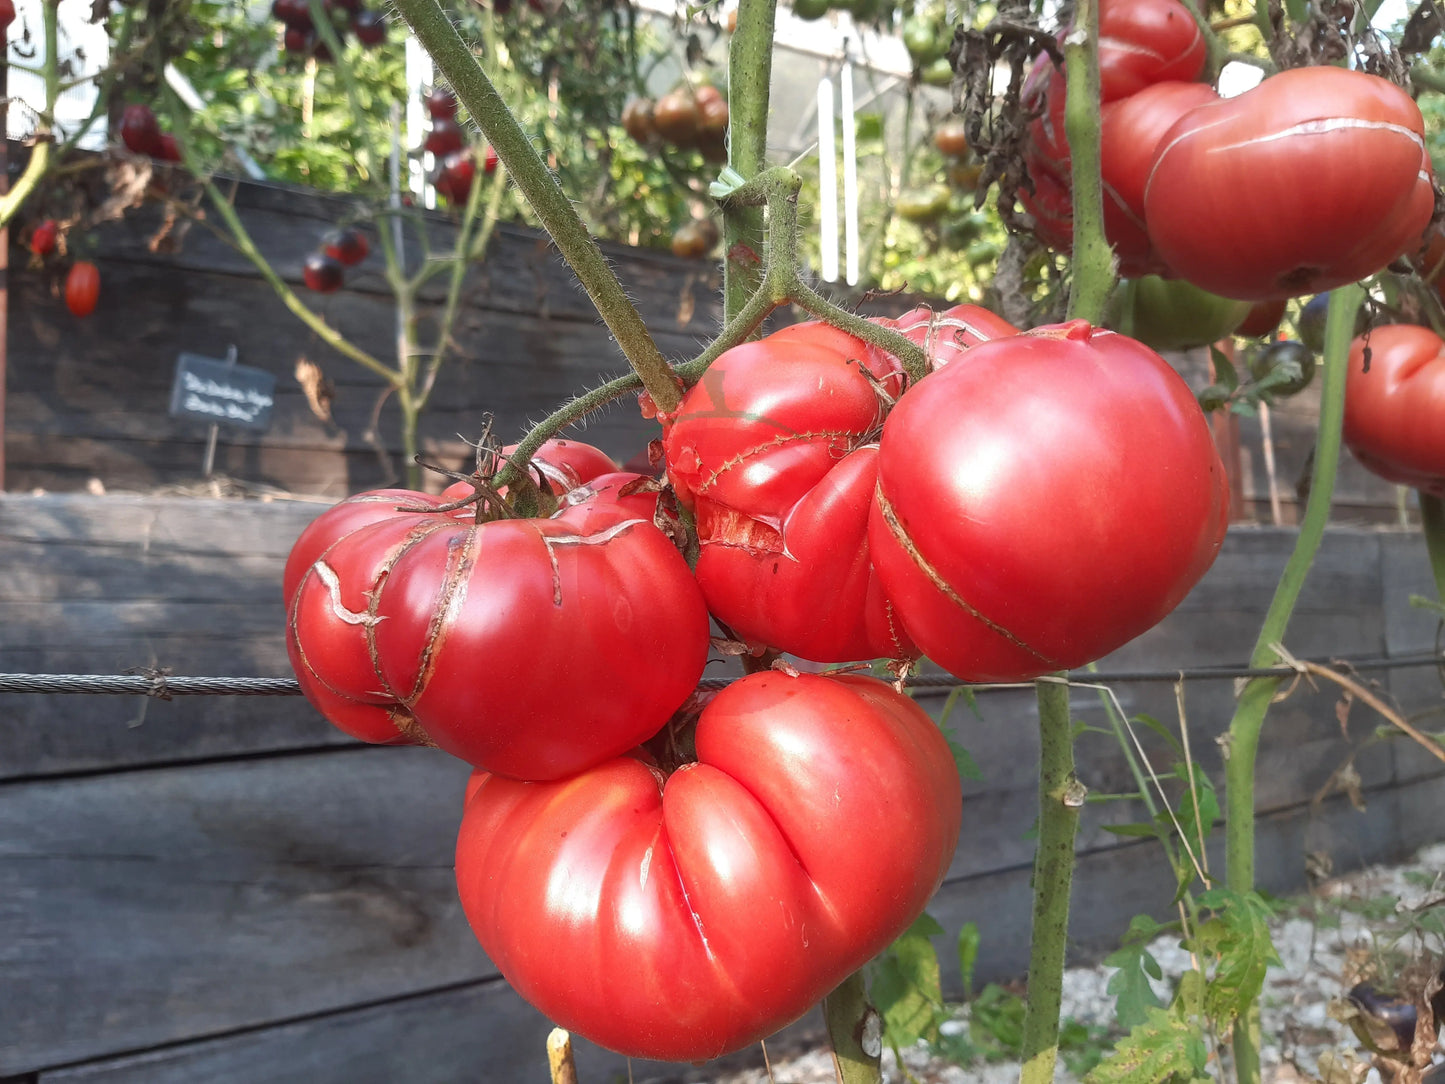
<point>479,1030</point>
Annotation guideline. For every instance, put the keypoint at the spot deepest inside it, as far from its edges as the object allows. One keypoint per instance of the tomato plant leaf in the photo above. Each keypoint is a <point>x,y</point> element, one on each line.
<point>1225,374</point>
<point>1236,939</point>
<point>906,988</point>
<point>1163,1049</point>
<point>1133,994</point>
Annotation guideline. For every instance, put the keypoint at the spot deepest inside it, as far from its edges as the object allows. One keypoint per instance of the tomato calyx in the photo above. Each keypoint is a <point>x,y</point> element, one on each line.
<point>526,497</point>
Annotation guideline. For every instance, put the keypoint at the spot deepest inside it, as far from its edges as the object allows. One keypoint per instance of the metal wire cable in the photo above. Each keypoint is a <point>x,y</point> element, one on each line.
<point>164,686</point>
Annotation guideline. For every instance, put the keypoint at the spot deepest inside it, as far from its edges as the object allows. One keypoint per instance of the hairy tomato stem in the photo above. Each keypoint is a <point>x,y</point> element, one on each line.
<point>1093,262</point>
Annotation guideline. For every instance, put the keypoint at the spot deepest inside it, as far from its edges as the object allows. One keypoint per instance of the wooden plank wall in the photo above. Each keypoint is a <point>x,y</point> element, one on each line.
<point>226,889</point>
<point>87,399</point>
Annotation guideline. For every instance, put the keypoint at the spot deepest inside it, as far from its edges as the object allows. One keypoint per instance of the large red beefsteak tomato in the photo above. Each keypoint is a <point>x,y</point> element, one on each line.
<point>1395,413</point>
<point>1261,196</point>
<point>530,647</point>
<point>1044,502</point>
<point>683,916</point>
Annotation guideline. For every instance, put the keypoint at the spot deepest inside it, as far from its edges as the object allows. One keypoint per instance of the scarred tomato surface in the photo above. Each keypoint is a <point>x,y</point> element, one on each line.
<point>722,901</point>
<point>1275,173</point>
<point>530,647</point>
<point>1043,502</point>
<point>1395,413</point>
<point>772,450</point>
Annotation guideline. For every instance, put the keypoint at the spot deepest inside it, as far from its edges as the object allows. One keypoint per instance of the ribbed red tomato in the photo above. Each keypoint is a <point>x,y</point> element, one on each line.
<point>1142,42</point>
<point>561,465</point>
<point>772,451</point>
<point>1395,413</point>
<point>1044,502</point>
<point>683,916</point>
<point>82,288</point>
<point>1261,196</point>
<point>531,647</point>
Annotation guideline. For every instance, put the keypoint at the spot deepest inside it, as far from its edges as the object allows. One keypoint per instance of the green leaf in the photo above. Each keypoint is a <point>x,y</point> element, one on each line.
<point>1164,1049</point>
<point>962,759</point>
<point>1197,829</point>
<point>968,940</point>
<point>1236,940</point>
<point>1224,371</point>
<point>1133,995</point>
<point>1163,731</point>
<point>1420,602</point>
<point>906,989</point>
<point>1132,831</point>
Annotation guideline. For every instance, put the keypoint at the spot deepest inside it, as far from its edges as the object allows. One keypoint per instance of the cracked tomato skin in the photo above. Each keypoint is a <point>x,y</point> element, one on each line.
<point>1395,413</point>
<point>1275,172</point>
<point>773,452</point>
<point>722,901</point>
<point>532,648</point>
<point>1044,503</point>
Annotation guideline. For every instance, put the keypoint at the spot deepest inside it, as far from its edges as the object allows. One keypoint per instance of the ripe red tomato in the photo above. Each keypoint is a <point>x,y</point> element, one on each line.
<point>7,14</point>
<point>1395,413</point>
<point>42,240</point>
<point>140,131</point>
<point>534,648</point>
<point>370,27</point>
<point>1275,174</point>
<point>456,175</point>
<point>446,137</point>
<point>1262,320</point>
<point>294,13</point>
<point>347,247</point>
<point>723,900</point>
<point>1146,41</point>
<point>441,104</point>
<point>772,451</point>
<point>82,288</point>
<point>1044,502</point>
<point>951,138</point>
<point>321,273</point>
<point>168,150</point>
<point>560,465</point>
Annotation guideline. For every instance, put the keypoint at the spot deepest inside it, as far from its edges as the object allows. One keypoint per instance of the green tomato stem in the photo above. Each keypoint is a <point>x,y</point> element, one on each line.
<point>1242,740</point>
<point>856,1031</point>
<point>1094,266</point>
<point>440,39</point>
<point>1060,799</point>
<point>1432,516</point>
<point>750,69</point>
<point>1218,51</point>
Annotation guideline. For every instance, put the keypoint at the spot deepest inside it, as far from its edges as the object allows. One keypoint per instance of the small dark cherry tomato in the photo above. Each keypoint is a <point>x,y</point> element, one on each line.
<point>347,247</point>
<point>370,27</point>
<point>322,273</point>
<point>441,104</point>
<point>445,138</point>
<point>1290,359</point>
<point>169,150</point>
<point>455,176</point>
<point>951,138</point>
<point>82,288</point>
<point>294,13</point>
<point>42,240</point>
<point>139,130</point>
<point>7,14</point>
<point>677,118</point>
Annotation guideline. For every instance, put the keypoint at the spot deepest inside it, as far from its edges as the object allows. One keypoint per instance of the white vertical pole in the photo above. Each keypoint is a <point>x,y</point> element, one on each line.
<point>419,74</point>
<point>850,179</point>
<point>827,182</point>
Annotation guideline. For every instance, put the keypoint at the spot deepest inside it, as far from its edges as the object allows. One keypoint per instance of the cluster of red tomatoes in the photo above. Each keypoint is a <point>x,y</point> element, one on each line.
<point>1207,189</point>
<point>347,16</point>
<point>727,857</point>
<point>686,117</point>
<point>456,169</point>
<point>82,281</point>
<point>325,270</point>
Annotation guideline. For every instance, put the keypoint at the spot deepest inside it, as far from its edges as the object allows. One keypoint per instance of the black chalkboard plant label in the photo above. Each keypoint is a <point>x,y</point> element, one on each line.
<point>223,394</point>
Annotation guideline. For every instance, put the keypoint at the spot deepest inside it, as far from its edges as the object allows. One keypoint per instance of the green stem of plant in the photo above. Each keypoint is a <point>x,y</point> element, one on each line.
<point>1242,740</point>
<point>440,39</point>
<point>1060,799</point>
<point>329,335</point>
<point>1093,259</point>
<point>750,72</point>
<point>856,1031</point>
<point>39,153</point>
<point>1427,78</point>
<point>1217,50</point>
<point>1432,516</point>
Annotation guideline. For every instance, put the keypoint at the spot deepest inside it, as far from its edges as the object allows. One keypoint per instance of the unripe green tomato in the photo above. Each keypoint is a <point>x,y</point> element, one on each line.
<point>957,232</point>
<point>810,9</point>
<point>924,204</point>
<point>938,73</point>
<point>982,252</point>
<point>924,39</point>
<point>1288,357</point>
<point>1171,314</point>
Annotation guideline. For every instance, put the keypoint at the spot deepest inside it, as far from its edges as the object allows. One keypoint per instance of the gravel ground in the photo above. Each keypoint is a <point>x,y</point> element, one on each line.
<point>1326,943</point>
